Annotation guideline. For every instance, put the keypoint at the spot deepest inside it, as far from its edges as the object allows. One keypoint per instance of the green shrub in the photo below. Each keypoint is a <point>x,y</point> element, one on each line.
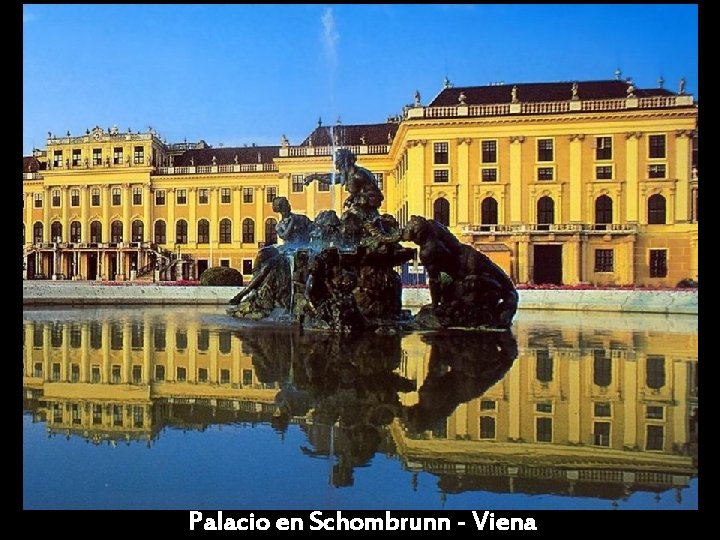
<point>221,275</point>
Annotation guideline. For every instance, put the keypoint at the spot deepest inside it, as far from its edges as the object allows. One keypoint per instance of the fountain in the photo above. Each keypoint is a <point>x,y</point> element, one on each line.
<point>337,273</point>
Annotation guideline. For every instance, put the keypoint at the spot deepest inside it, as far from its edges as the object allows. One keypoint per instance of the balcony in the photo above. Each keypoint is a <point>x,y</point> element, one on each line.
<point>551,228</point>
<point>309,151</point>
<point>217,169</point>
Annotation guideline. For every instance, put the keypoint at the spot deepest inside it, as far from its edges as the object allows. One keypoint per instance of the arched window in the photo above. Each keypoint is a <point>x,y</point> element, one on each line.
<point>543,366</point>
<point>603,212</point>
<point>181,233</point>
<point>75,229</point>
<point>489,211</point>
<point>203,231</point>
<point>655,374</point>
<point>225,231</point>
<point>441,211</point>
<point>602,368</point>
<point>248,231</point>
<point>656,210</point>
<point>116,231</point>
<point>37,232</point>
<point>160,232</point>
<point>56,231</point>
<point>95,232</point>
<point>138,231</point>
<point>270,232</point>
<point>545,213</point>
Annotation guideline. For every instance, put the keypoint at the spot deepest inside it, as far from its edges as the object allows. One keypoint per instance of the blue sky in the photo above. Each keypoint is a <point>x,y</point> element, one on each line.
<point>242,74</point>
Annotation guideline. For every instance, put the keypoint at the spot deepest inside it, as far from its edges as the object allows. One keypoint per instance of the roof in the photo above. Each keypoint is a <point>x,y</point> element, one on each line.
<point>227,155</point>
<point>541,92</point>
<point>31,164</point>
<point>350,135</point>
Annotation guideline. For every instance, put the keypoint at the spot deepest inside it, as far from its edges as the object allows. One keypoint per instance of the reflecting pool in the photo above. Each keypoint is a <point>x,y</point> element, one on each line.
<point>187,408</point>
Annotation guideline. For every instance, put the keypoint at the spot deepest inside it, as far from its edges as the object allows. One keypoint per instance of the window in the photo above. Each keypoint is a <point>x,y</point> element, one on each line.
<point>657,171</point>
<point>55,373</point>
<point>181,196</point>
<point>160,373</point>
<point>602,368</point>
<point>203,195</point>
<point>489,211</point>
<point>380,179</point>
<point>116,231</point>
<point>225,195</point>
<point>137,412</point>
<point>545,212</point>
<point>543,366</point>
<point>181,339</point>
<point>76,157</point>
<point>656,146</point>
<point>655,372</point>
<point>116,336</point>
<point>116,196</point>
<point>97,156</point>
<point>137,196</point>
<point>270,194</point>
<point>603,172</point>
<point>203,231</point>
<point>601,433</point>
<point>655,436</point>
<point>137,331</point>
<point>488,175</point>
<point>137,231</point>
<point>545,150</point>
<point>38,200</point>
<point>224,341</point>
<point>441,176</point>
<point>487,427</point>
<point>225,231</point>
<point>248,195</point>
<point>159,197</point>
<point>97,415</point>
<point>181,232</point>
<point>38,371</point>
<point>247,377</point>
<point>543,429</point>
<point>95,335</point>
<point>602,409</point>
<point>95,197</point>
<point>248,231</point>
<point>202,375</point>
<point>655,412</point>
<point>224,376</point>
<point>604,260</point>
<point>603,148</point>
<point>440,156</point>
<point>74,197</point>
<point>488,151</point>
<point>37,233</point>
<point>160,232</point>
<point>159,337</point>
<point>136,377</point>
<point>247,267</point>
<point>56,197</point>
<point>297,183</point>
<point>75,229</point>
<point>323,184</point>
<point>656,209</point>
<point>139,155</point>
<point>117,155</point>
<point>57,158</point>
<point>603,211</point>
<point>487,405</point>
<point>181,374</point>
<point>95,232</point>
<point>545,173</point>
<point>270,232</point>
<point>544,407</point>
<point>56,231</point>
<point>203,339</point>
<point>56,335</point>
<point>441,211</point>
<point>37,335</point>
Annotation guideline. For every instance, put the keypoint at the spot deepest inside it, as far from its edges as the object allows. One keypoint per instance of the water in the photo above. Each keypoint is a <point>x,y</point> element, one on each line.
<point>188,408</point>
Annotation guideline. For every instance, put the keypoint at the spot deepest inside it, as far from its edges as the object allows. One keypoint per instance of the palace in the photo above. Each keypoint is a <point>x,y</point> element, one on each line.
<point>589,182</point>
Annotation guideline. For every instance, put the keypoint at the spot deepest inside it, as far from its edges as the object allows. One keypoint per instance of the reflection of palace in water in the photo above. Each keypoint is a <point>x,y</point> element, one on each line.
<point>583,412</point>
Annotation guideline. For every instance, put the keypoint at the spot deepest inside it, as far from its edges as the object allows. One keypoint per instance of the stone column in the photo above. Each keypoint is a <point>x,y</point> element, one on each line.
<point>516,179</point>
<point>574,398</point>
<point>632,172</point>
<point>85,353</point>
<point>683,151</point>
<point>192,217</point>
<point>515,399</point>
<point>147,217</point>
<point>463,172</point>
<point>237,217</point>
<point>214,223</point>
<point>170,201</point>
<point>576,144</point>
<point>258,199</point>
<point>630,403</point>
<point>46,215</point>
<point>416,176</point>
<point>84,214</point>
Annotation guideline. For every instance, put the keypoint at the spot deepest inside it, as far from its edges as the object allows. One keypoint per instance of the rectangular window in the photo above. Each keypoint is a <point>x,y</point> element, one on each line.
<point>543,429</point>
<point>323,185</point>
<point>247,377</point>
<point>441,156</point>
<point>159,197</point>
<point>181,339</point>
<point>601,433</point>
<point>487,427</point>
<point>658,263</point>
<point>270,194</point>
<point>97,156</point>
<point>656,146</point>
<point>225,195</point>
<point>441,176</point>
<point>181,374</point>
<point>38,200</point>
<point>545,407</point>
<point>657,171</point>
<point>489,151</point>
<point>95,197</point>
<point>55,373</point>
<point>655,412</point>
<point>138,155</point>
<point>487,405</point>
<point>224,376</point>
<point>380,179</point>
<point>97,415</point>
<point>655,436</point>
<point>95,374</point>
<point>181,196</point>
<point>137,196</point>
<point>603,148</point>
<point>488,175</point>
<point>603,260</point>
<point>57,158</point>
<point>116,196</point>
<point>136,374</point>
<point>545,173</point>
<point>117,415</point>
<point>545,150</point>
<point>56,197</point>
<point>117,155</point>
<point>602,409</point>
<point>115,374</point>
<point>159,373</point>
<point>75,197</point>
<point>297,183</point>
<point>75,336</point>
<point>203,339</point>
<point>203,196</point>
<point>74,372</point>
<point>136,335</point>
<point>247,266</point>
<point>202,374</point>
<point>603,172</point>
<point>248,195</point>
<point>76,157</point>
<point>159,338</point>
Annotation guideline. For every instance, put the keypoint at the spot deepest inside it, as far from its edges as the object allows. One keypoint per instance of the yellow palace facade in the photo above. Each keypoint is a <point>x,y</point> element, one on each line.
<point>590,182</point>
